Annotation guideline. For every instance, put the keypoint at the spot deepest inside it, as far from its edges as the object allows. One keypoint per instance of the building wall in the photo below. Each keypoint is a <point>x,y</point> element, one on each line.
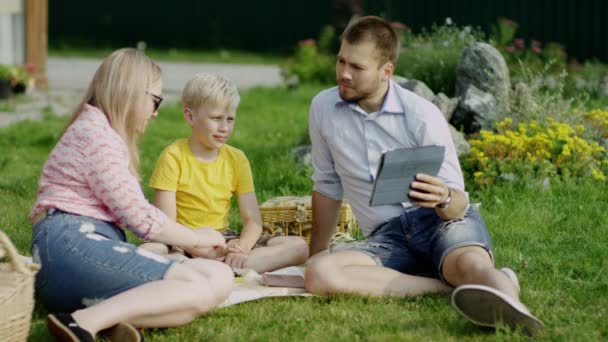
<point>12,36</point>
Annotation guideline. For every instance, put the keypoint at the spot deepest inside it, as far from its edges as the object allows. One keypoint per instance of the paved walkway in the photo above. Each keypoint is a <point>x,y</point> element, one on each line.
<point>68,78</point>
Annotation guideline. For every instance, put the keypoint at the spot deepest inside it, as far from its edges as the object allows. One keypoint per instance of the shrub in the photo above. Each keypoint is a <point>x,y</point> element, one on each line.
<point>539,95</point>
<point>532,55</point>
<point>534,150</point>
<point>312,62</point>
<point>591,78</point>
<point>432,56</point>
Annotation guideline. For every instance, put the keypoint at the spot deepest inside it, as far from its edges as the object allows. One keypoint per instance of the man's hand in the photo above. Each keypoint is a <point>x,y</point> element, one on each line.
<point>428,191</point>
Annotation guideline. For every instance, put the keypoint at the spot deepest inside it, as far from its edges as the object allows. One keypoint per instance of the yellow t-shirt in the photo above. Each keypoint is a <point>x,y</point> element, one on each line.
<point>203,190</point>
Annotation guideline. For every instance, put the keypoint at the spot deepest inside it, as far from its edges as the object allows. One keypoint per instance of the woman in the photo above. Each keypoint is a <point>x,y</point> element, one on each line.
<point>88,192</point>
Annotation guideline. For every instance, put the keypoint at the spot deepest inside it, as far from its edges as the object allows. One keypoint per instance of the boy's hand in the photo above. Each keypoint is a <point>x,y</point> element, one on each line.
<point>236,260</point>
<point>237,246</point>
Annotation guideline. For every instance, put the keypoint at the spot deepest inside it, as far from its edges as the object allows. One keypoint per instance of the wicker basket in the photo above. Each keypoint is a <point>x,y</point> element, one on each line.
<point>16,292</point>
<point>293,216</point>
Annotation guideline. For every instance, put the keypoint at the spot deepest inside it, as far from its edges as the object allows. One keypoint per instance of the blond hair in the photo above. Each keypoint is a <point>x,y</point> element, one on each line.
<point>378,31</point>
<point>211,89</point>
<point>118,88</point>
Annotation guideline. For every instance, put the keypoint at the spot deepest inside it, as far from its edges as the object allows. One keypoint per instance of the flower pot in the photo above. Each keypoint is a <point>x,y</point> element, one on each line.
<point>5,89</point>
<point>19,88</point>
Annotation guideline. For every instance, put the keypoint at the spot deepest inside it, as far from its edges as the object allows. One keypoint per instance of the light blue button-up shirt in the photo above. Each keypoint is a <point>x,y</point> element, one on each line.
<point>347,144</point>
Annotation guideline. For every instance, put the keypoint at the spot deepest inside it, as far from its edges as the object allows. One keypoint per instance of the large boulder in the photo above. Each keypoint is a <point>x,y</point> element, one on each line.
<point>419,88</point>
<point>482,66</point>
<point>445,104</point>
<point>476,111</point>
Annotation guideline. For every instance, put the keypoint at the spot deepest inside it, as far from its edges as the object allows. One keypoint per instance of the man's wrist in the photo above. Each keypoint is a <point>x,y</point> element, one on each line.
<point>446,202</point>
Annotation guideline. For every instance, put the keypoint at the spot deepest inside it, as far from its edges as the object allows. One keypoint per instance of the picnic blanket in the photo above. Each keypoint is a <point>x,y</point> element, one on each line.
<point>249,286</point>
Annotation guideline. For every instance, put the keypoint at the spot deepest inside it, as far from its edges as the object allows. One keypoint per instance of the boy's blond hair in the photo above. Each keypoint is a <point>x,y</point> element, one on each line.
<point>206,88</point>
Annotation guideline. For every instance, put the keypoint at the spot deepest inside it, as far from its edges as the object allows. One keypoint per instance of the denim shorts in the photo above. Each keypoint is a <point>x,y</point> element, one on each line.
<point>85,260</point>
<point>417,241</point>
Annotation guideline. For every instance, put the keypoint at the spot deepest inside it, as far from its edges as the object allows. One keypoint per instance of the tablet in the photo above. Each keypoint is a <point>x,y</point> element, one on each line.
<point>397,170</point>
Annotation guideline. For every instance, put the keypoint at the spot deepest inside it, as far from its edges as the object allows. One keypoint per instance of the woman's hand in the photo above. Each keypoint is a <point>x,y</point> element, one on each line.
<point>209,237</point>
<point>211,244</point>
<point>237,246</point>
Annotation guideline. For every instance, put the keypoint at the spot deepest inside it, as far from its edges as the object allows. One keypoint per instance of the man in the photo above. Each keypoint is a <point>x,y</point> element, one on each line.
<point>437,233</point>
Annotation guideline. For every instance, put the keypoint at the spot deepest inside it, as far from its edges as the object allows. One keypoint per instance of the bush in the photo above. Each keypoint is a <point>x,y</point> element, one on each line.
<point>590,78</point>
<point>312,62</point>
<point>534,150</point>
<point>532,55</point>
<point>432,56</point>
<point>5,72</point>
<point>540,95</point>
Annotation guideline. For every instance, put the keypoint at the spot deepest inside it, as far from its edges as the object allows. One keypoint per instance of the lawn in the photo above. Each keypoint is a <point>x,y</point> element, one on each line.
<point>554,237</point>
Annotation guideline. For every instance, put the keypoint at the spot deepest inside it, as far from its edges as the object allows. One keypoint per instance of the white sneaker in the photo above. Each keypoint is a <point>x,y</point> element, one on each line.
<point>513,277</point>
<point>487,306</point>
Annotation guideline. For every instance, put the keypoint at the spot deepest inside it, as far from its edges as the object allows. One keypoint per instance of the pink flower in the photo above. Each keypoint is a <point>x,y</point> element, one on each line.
<point>510,48</point>
<point>399,26</point>
<point>30,67</point>
<point>509,22</point>
<point>520,43</point>
<point>308,41</point>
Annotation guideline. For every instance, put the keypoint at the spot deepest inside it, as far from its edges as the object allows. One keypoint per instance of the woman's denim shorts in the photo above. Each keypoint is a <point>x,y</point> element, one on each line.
<point>417,241</point>
<point>85,260</point>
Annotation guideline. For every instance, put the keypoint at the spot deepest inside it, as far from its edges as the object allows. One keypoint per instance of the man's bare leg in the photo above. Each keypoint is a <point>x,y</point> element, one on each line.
<point>351,272</point>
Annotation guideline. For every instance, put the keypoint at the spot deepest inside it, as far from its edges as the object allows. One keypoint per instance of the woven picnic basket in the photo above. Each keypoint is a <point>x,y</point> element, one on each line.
<point>293,216</point>
<point>16,292</point>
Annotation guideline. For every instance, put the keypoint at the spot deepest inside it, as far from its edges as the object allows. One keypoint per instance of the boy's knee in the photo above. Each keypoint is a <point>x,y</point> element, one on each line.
<point>302,252</point>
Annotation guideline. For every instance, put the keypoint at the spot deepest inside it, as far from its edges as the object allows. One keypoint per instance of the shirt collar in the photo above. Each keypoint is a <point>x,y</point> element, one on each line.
<point>391,104</point>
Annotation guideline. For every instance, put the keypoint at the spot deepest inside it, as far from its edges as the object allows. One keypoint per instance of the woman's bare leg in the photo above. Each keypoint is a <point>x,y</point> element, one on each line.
<point>187,290</point>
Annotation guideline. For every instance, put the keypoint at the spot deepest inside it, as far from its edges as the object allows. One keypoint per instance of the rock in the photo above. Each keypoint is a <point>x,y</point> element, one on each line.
<point>482,66</point>
<point>460,142</point>
<point>400,80</point>
<point>445,104</point>
<point>302,154</point>
<point>476,111</point>
<point>419,88</point>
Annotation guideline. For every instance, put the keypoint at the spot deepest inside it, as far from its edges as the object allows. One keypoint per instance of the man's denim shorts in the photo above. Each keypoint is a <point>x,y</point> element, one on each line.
<point>417,241</point>
<point>85,260</point>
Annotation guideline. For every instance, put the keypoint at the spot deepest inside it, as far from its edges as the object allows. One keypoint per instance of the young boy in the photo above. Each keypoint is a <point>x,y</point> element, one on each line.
<point>195,179</point>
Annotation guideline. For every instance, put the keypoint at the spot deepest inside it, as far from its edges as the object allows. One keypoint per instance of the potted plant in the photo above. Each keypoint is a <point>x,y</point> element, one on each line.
<point>5,82</point>
<point>21,78</point>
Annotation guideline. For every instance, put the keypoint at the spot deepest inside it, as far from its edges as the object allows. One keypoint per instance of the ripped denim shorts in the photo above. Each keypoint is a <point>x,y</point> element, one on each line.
<point>417,241</point>
<point>85,260</point>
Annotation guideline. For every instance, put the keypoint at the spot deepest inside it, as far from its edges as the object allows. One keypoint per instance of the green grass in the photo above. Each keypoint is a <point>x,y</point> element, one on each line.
<point>178,55</point>
<point>554,238</point>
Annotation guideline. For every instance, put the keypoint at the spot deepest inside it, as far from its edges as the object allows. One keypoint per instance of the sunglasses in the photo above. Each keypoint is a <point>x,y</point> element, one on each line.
<point>157,101</point>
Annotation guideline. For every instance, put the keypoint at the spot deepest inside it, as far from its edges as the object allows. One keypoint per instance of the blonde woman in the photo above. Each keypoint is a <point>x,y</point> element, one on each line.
<point>88,194</point>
